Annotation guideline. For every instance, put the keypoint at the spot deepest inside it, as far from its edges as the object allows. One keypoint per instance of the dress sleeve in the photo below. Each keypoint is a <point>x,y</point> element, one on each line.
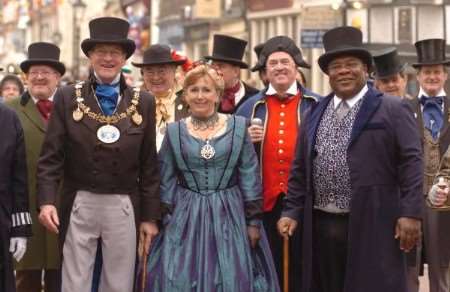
<point>250,182</point>
<point>168,171</point>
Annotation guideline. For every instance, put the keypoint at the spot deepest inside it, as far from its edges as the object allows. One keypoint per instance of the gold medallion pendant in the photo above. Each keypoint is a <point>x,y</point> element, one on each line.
<point>108,134</point>
<point>137,118</point>
<point>77,115</point>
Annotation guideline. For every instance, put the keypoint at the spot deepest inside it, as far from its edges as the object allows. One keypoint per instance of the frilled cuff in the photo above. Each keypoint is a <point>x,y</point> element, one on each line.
<point>254,212</point>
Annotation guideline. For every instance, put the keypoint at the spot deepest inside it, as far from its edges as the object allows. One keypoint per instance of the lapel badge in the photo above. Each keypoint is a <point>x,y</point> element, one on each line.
<point>180,107</point>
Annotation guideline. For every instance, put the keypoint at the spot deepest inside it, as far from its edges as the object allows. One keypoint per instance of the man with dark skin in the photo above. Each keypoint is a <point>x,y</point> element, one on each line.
<point>360,212</point>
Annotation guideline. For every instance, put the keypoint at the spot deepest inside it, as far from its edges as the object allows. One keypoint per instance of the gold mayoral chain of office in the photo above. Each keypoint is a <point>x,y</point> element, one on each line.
<point>83,109</point>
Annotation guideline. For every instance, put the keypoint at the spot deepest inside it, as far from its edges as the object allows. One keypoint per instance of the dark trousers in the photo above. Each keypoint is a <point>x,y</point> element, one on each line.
<point>276,246</point>
<point>31,281</point>
<point>330,251</point>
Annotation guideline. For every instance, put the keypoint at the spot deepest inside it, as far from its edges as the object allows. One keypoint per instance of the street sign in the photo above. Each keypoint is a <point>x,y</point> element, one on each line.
<point>312,38</point>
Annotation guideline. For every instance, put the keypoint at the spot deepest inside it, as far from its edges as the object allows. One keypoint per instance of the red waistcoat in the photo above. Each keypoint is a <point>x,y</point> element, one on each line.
<point>279,146</point>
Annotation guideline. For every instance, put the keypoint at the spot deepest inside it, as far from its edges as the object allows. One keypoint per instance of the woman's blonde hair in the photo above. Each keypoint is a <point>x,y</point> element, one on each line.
<point>203,70</point>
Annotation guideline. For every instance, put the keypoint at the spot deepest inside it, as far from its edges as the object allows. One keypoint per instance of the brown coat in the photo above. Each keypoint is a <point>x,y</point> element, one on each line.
<point>71,151</point>
<point>442,242</point>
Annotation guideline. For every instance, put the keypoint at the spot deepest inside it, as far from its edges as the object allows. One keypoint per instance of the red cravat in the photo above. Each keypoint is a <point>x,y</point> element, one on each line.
<point>227,103</point>
<point>45,108</point>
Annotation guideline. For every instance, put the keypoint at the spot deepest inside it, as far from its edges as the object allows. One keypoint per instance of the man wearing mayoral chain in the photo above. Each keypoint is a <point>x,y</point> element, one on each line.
<point>101,142</point>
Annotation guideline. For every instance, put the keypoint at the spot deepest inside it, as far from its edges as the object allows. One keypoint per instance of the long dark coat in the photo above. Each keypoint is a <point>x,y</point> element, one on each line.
<point>13,192</point>
<point>72,152</point>
<point>42,249</point>
<point>385,162</point>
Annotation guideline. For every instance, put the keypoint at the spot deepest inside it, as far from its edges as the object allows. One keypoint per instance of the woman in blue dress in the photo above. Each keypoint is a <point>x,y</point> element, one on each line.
<point>212,239</point>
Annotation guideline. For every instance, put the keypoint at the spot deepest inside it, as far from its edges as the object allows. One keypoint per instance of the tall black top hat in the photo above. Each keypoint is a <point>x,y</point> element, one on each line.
<point>430,52</point>
<point>387,63</point>
<point>42,53</point>
<point>229,50</point>
<point>109,30</point>
<point>157,55</point>
<point>344,40</point>
<point>280,44</point>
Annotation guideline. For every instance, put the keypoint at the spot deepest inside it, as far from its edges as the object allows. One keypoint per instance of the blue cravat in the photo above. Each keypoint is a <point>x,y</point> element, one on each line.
<point>107,95</point>
<point>432,114</point>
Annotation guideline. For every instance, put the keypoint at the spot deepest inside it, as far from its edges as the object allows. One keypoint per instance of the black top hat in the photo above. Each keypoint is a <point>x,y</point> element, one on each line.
<point>42,53</point>
<point>157,55</point>
<point>229,50</point>
<point>109,30</point>
<point>387,63</point>
<point>430,52</point>
<point>280,44</point>
<point>344,40</point>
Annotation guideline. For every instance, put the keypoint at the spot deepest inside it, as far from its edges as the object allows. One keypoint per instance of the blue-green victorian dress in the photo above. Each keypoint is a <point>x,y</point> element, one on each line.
<point>204,245</point>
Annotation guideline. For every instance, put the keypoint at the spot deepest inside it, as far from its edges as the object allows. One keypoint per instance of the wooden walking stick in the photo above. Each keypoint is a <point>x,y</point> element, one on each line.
<point>286,264</point>
<point>144,271</point>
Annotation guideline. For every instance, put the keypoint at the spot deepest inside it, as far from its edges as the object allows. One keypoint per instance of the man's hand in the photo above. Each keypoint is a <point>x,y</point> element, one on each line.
<point>409,232</point>
<point>147,232</point>
<point>256,133</point>
<point>18,247</point>
<point>253,235</point>
<point>286,226</point>
<point>48,216</point>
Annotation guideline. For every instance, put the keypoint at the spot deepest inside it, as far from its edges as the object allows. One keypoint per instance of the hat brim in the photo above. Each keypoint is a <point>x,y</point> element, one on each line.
<point>128,45</point>
<point>228,60</point>
<point>177,63</point>
<point>359,53</point>
<point>58,66</point>
<point>389,73</point>
<point>418,65</point>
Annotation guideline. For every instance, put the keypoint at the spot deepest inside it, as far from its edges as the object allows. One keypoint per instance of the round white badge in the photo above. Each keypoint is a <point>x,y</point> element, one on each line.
<point>108,134</point>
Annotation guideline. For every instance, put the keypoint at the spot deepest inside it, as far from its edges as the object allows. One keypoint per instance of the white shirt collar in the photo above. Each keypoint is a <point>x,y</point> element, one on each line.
<point>291,90</point>
<point>37,99</point>
<point>351,101</point>
<point>240,94</point>
<point>423,93</point>
<point>116,80</point>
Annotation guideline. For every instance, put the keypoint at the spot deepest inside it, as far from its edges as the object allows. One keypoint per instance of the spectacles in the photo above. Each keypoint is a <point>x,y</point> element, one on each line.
<point>44,74</point>
<point>102,53</point>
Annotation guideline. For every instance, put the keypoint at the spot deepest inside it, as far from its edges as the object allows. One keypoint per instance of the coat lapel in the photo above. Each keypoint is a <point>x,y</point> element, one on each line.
<point>124,103</point>
<point>370,103</point>
<point>418,115</point>
<point>315,118</point>
<point>91,102</point>
<point>30,110</point>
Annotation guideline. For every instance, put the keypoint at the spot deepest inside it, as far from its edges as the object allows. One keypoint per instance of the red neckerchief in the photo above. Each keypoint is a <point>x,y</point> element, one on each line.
<point>227,103</point>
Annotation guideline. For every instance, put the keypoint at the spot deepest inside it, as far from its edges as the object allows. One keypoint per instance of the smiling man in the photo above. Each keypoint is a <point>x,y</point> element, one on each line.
<point>432,111</point>
<point>355,183</point>
<point>100,142</point>
<point>280,108</point>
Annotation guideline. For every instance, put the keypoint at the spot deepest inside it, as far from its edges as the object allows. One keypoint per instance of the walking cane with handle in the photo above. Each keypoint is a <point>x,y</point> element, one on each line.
<point>286,264</point>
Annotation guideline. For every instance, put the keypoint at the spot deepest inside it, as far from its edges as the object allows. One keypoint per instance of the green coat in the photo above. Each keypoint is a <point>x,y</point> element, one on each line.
<point>42,248</point>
